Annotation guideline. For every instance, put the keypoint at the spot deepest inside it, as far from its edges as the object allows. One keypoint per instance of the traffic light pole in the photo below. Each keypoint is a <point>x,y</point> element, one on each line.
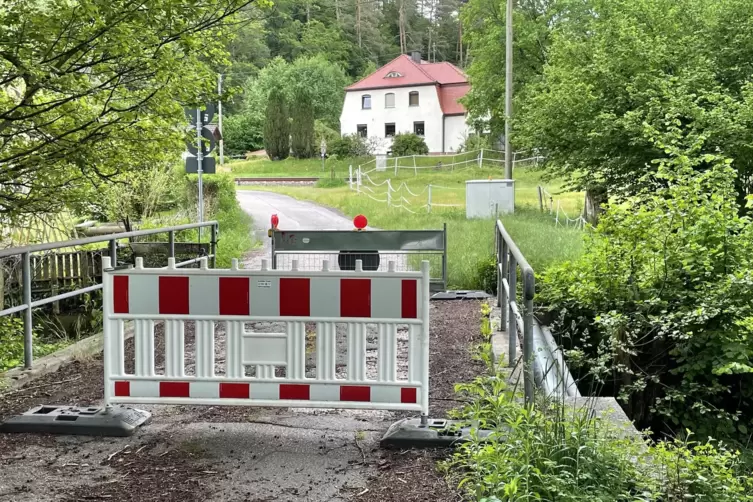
<point>219,107</point>
<point>199,162</point>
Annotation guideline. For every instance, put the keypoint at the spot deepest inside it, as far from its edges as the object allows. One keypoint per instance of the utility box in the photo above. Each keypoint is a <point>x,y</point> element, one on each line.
<point>381,162</point>
<point>487,198</point>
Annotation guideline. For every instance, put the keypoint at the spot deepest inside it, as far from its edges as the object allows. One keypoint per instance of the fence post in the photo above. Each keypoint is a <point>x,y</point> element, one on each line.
<point>396,165</point>
<point>541,199</point>
<point>2,286</point>
<point>415,170</point>
<point>481,159</point>
<point>529,288</point>
<point>501,276</point>
<point>171,244</point>
<point>428,204</point>
<point>28,354</point>
<point>350,176</point>
<point>512,325</point>
<point>389,194</point>
<point>358,180</point>
<point>114,252</point>
<point>213,246</point>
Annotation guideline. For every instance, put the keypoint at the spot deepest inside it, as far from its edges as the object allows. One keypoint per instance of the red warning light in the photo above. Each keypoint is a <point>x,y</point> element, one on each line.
<point>360,222</point>
<point>275,221</point>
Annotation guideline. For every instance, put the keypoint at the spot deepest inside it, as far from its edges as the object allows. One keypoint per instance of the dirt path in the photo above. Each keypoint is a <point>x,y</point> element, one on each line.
<point>232,453</point>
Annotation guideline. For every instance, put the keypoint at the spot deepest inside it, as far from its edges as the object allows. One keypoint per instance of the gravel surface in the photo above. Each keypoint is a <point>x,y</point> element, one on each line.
<point>235,453</point>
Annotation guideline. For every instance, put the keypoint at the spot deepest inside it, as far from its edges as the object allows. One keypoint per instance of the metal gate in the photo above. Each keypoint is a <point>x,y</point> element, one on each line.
<point>318,328</point>
<point>407,249</point>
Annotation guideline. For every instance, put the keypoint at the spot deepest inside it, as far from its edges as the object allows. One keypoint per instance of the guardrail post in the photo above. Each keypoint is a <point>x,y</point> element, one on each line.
<point>28,354</point>
<point>114,252</point>
<point>512,325</point>
<point>501,277</point>
<point>529,289</point>
<point>444,257</point>
<point>171,244</point>
<point>213,246</point>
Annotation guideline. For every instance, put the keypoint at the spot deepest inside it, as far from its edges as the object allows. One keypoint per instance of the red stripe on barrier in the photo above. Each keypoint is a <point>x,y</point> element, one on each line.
<point>408,395</point>
<point>234,391</point>
<point>355,393</point>
<point>295,297</point>
<point>355,297</point>
<point>174,389</point>
<point>295,391</point>
<point>122,389</point>
<point>120,294</point>
<point>234,296</point>
<point>409,299</point>
<point>173,295</point>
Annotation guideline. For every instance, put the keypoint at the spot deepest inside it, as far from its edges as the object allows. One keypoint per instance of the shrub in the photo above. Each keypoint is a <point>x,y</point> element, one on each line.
<point>243,133</point>
<point>324,132</point>
<point>408,144</point>
<point>12,343</point>
<point>661,303</point>
<point>349,145</point>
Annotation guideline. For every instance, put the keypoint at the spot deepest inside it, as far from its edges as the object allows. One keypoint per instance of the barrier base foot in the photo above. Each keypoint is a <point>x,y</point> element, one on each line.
<point>436,433</point>
<point>113,421</point>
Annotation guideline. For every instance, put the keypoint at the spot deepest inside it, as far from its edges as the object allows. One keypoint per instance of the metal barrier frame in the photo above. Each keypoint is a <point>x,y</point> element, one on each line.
<point>26,251</point>
<point>388,241</point>
<point>543,363</point>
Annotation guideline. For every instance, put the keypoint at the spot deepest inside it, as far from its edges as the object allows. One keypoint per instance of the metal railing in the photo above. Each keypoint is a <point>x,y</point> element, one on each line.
<point>543,361</point>
<point>27,273</point>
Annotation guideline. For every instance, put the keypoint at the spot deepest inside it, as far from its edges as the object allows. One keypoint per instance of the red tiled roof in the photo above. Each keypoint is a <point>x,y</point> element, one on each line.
<point>449,96</point>
<point>411,73</point>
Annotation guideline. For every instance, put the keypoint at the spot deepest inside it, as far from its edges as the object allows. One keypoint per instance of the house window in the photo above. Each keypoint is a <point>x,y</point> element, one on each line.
<point>389,130</point>
<point>418,128</point>
<point>389,100</point>
<point>366,102</point>
<point>393,74</point>
<point>362,130</point>
<point>413,98</point>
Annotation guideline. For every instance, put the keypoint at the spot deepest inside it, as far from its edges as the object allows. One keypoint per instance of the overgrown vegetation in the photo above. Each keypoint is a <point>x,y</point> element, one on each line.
<point>12,343</point>
<point>557,453</point>
<point>408,144</point>
<point>660,306</point>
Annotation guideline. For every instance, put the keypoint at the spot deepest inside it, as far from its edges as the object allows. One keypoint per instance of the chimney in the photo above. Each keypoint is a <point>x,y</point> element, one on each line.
<point>416,56</point>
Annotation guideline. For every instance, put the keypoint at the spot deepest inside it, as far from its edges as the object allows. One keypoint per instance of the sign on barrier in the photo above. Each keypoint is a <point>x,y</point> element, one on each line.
<point>326,339</point>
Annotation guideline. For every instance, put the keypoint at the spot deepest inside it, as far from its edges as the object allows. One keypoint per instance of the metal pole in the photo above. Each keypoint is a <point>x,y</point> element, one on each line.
<point>529,289</point>
<point>512,327</point>
<point>114,252</point>
<point>171,244</point>
<point>428,204</point>
<point>213,246</point>
<point>199,164</point>
<point>219,109</point>
<point>508,88</point>
<point>444,257</point>
<point>28,354</point>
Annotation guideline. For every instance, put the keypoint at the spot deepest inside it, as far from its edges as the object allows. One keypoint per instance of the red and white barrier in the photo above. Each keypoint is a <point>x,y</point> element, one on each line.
<point>380,301</point>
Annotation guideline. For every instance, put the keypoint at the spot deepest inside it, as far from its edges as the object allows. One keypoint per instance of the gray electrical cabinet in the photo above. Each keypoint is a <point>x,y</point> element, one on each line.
<point>487,198</point>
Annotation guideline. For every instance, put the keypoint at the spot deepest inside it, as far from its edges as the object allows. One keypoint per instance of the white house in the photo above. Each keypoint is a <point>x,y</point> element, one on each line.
<point>409,95</point>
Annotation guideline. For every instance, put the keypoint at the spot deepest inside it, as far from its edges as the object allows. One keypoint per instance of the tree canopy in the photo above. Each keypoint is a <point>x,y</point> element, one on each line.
<point>94,87</point>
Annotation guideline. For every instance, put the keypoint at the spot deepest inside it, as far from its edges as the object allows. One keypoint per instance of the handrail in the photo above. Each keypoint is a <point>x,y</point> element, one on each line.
<point>26,251</point>
<point>541,365</point>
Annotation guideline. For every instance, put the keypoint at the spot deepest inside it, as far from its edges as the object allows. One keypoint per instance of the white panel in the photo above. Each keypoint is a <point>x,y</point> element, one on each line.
<point>174,354</point>
<point>325,297</point>
<point>265,296</point>
<point>264,391</point>
<point>414,353</point>
<point>325,350</point>
<point>319,392</point>
<point>143,294</point>
<point>296,351</point>
<point>141,388</point>
<point>386,394</point>
<point>265,349</point>
<point>387,354</point>
<point>204,295</point>
<point>205,389</point>
<point>204,347</point>
<point>234,350</point>
<point>386,298</point>
<point>143,347</point>
<point>356,352</point>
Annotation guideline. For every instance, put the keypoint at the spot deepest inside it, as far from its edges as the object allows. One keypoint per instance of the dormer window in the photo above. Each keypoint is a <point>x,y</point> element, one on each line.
<point>393,74</point>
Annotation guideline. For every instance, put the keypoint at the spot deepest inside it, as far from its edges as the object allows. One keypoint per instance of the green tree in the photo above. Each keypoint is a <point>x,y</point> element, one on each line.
<point>93,88</point>
<point>277,126</point>
<point>302,126</point>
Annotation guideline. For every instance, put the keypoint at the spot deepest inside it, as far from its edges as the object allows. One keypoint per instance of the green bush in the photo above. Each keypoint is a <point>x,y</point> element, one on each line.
<point>660,306</point>
<point>349,145</point>
<point>408,144</point>
<point>12,343</point>
<point>243,132</point>
<point>486,275</point>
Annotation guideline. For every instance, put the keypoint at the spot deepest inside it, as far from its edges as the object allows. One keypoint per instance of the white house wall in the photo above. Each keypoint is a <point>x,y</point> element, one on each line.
<point>455,132</point>
<point>402,115</point>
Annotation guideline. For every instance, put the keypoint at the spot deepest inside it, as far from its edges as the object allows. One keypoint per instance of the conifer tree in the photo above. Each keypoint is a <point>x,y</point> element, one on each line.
<point>277,126</point>
<point>302,127</point>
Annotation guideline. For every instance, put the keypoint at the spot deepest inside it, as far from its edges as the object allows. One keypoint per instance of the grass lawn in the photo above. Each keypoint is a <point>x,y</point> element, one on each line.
<point>470,242</point>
